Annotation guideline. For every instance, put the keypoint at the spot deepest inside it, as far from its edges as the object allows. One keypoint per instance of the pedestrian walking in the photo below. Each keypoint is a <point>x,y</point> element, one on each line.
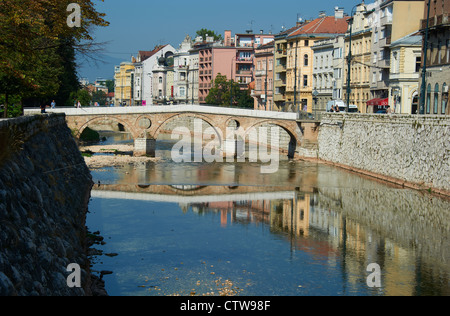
<point>79,104</point>
<point>53,104</point>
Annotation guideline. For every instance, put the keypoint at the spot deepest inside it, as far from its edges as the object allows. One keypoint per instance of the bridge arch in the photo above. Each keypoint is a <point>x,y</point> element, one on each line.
<point>128,127</point>
<point>160,126</point>
<point>293,134</point>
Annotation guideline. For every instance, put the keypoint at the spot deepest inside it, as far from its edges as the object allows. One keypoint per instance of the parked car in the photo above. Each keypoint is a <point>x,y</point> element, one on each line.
<point>381,112</point>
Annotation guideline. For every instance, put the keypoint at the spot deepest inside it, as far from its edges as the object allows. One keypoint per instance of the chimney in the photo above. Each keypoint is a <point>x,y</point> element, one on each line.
<point>338,13</point>
<point>322,14</point>
<point>227,38</point>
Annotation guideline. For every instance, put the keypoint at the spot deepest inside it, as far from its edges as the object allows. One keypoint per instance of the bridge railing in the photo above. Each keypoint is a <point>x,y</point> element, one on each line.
<point>201,109</point>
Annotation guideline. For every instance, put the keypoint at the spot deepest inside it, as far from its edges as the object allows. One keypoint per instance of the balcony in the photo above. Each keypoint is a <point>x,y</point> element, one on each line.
<point>384,63</point>
<point>242,60</point>
<point>261,73</point>
<point>387,19</point>
<point>385,42</point>
<point>435,21</point>
<point>280,83</point>
<point>244,72</point>
<point>282,52</point>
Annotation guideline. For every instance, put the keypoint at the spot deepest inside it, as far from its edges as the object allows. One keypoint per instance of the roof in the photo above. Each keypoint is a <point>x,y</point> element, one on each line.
<point>323,25</point>
<point>413,39</point>
<point>143,54</point>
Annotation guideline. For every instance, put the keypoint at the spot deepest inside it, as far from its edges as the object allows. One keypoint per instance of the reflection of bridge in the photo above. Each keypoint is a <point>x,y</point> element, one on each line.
<point>192,194</point>
<point>146,123</point>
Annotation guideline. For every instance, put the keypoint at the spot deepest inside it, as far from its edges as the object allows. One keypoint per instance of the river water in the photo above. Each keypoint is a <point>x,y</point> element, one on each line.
<point>228,229</point>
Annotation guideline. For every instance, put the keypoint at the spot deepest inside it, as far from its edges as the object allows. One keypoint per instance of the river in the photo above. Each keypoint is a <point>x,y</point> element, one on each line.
<point>227,229</point>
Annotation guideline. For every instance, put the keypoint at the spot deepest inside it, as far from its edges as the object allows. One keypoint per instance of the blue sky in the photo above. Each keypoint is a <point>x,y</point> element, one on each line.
<point>142,24</point>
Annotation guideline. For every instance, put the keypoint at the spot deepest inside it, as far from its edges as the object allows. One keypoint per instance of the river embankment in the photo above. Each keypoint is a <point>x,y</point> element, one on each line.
<point>45,189</point>
<point>408,150</point>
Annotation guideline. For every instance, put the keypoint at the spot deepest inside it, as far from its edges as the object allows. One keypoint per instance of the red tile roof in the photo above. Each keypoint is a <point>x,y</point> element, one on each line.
<point>147,54</point>
<point>325,25</point>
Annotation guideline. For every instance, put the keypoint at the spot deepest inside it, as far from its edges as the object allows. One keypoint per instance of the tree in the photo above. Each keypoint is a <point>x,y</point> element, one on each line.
<point>81,95</point>
<point>110,85</point>
<point>203,32</point>
<point>220,94</point>
<point>100,97</point>
<point>35,41</point>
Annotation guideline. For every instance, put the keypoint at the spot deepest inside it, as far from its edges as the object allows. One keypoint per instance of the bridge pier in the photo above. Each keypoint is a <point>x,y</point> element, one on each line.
<point>144,147</point>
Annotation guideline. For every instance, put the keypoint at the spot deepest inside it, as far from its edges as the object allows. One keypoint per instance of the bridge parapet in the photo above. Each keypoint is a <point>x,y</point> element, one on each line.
<point>145,123</point>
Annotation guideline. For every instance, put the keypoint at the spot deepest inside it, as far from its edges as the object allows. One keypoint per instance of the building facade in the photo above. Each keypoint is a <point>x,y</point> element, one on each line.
<point>181,69</point>
<point>280,68</point>
<point>391,20</point>
<point>263,92</point>
<point>299,67</point>
<point>404,74</point>
<point>143,76</point>
<point>328,63</point>
<point>124,84</point>
<point>437,76</point>
<point>358,45</point>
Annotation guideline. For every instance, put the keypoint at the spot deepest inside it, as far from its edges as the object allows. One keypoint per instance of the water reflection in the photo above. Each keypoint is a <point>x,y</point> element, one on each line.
<point>341,228</point>
<point>307,230</point>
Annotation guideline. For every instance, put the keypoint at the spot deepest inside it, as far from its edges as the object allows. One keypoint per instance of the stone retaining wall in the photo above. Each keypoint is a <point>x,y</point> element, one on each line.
<point>44,193</point>
<point>408,149</point>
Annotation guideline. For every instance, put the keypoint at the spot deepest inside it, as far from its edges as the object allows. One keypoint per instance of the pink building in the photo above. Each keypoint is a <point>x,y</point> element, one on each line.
<point>263,91</point>
<point>233,58</point>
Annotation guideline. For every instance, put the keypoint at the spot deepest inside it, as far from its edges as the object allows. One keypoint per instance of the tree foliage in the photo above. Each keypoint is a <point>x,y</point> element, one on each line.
<point>205,32</point>
<point>37,46</point>
<point>220,94</point>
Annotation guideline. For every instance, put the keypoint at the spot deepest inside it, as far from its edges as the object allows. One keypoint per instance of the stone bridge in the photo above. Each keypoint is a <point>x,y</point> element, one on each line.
<point>145,124</point>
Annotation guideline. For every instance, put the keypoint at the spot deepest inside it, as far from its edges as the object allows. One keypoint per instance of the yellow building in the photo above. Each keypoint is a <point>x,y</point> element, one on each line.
<point>361,45</point>
<point>299,57</point>
<point>123,84</point>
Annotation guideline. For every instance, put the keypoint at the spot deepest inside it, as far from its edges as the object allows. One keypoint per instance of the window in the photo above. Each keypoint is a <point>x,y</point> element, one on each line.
<point>439,47</point>
<point>428,98</point>
<point>418,63</point>
<point>436,98</point>
<point>305,80</point>
<point>444,100</point>
<point>160,80</point>
<point>448,51</point>
<point>305,60</point>
<point>306,42</point>
<point>182,91</point>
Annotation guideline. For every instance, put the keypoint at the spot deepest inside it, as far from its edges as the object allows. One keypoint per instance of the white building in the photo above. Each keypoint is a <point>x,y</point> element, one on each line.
<point>143,75</point>
<point>328,72</point>
<point>182,73</point>
<point>405,66</point>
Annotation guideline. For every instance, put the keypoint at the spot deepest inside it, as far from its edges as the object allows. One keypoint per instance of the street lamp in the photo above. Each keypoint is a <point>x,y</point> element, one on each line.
<point>349,57</point>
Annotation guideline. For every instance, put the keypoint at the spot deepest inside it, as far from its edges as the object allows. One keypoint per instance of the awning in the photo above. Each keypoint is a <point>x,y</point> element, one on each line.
<point>379,102</point>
